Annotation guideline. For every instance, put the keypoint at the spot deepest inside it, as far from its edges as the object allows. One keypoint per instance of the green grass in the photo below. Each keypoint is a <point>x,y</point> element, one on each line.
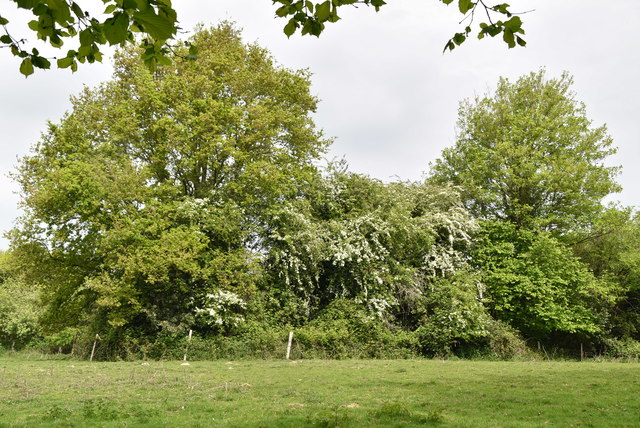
<point>318,393</point>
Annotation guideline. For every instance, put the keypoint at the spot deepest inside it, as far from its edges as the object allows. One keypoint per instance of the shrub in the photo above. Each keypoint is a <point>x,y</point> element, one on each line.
<point>623,348</point>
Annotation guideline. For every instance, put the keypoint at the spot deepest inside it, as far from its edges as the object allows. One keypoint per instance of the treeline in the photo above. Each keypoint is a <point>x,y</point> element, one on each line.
<point>191,199</point>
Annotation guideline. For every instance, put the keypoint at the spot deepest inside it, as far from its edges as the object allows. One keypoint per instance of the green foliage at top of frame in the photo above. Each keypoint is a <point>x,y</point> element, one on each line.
<point>311,18</point>
<point>58,22</point>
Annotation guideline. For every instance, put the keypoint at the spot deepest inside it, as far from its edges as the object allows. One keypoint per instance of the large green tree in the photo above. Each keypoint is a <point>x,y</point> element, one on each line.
<point>143,204</point>
<point>528,154</point>
<point>57,21</point>
<point>531,166</point>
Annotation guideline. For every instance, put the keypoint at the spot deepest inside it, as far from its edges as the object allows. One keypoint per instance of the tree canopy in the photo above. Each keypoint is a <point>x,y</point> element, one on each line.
<point>528,154</point>
<point>156,21</point>
<point>531,166</point>
<point>147,197</point>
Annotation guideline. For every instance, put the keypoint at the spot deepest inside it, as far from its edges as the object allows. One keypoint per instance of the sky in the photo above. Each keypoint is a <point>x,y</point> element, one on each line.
<point>389,96</point>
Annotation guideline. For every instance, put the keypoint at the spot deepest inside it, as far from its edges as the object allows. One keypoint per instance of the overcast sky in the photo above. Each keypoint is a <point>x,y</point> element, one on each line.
<point>388,94</point>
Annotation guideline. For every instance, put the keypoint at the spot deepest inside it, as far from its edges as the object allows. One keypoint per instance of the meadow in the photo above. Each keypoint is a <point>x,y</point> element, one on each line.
<point>317,393</point>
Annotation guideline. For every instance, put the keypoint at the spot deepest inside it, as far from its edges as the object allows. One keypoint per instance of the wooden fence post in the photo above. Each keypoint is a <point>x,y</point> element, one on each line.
<point>93,350</point>
<point>289,344</point>
<point>187,348</point>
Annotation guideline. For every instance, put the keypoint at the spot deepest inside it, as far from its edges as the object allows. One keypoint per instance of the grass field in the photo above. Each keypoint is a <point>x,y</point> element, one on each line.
<point>323,393</point>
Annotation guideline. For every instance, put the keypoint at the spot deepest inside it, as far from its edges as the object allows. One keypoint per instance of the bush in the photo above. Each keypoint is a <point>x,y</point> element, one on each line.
<point>19,312</point>
<point>623,348</point>
<point>451,315</point>
<point>346,329</point>
<point>505,342</point>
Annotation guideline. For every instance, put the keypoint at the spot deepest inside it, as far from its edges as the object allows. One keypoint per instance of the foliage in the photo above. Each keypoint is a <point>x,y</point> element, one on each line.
<point>611,248</point>
<point>311,17</point>
<point>190,199</point>
<point>361,334</point>
<point>157,22</point>
<point>529,155</point>
<point>221,310</point>
<point>622,348</point>
<point>451,314</point>
<point>535,284</point>
<point>19,313</point>
<point>20,307</point>
<point>505,343</point>
<point>59,21</point>
<point>61,341</point>
<point>145,201</point>
<point>358,238</point>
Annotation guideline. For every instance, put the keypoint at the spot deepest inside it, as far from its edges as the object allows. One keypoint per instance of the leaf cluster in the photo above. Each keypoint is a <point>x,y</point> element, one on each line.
<point>156,21</point>
<point>59,20</point>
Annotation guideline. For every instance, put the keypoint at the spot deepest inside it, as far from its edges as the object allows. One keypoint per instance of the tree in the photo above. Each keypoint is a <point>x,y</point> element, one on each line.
<point>529,155</point>
<point>535,283</point>
<point>611,249</point>
<point>530,166</point>
<point>145,201</point>
<point>156,21</point>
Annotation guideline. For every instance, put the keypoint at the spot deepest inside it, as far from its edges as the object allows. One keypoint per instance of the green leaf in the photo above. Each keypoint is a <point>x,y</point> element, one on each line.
<point>377,4</point>
<point>508,38</point>
<point>282,11</point>
<point>5,39</point>
<point>83,51</point>
<point>291,27</point>
<point>40,62</point>
<point>40,9</point>
<point>158,27</point>
<point>115,29</point>
<point>56,41</point>
<point>502,8</point>
<point>26,4</point>
<point>514,24</point>
<point>163,59</point>
<point>65,62</point>
<point>465,6</point>
<point>3,21</point>
<point>323,11</point>
<point>77,10</point>
<point>26,67</point>
<point>450,45</point>
<point>86,37</point>
<point>134,5</point>
<point>56,4</point>
<point>459,38</point>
